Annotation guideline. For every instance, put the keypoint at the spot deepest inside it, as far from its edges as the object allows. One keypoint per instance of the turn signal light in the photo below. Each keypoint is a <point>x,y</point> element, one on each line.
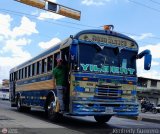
<point>85,78</point>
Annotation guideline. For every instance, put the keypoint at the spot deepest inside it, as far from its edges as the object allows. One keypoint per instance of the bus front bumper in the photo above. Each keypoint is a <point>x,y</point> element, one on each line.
<point>90,108</point>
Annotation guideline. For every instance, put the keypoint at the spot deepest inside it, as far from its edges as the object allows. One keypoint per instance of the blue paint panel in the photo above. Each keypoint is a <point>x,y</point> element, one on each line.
<point>106,78</point>
<point>38,79</point>
<point>134,92</point>
<point>79,89</point>
<point>36,97</point>
<point>99,109</point>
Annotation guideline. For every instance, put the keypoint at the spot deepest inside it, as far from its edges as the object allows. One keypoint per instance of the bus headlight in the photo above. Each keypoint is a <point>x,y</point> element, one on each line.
<point>126,92</point>
<point>89,90</point>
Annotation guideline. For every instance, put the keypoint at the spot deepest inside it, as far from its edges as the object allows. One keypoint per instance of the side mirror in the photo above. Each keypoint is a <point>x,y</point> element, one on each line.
<point>147,58</point>
<point>147,61</point>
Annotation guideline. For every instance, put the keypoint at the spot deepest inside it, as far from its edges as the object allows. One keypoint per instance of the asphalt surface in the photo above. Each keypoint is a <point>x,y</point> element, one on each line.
<point>35,122</point>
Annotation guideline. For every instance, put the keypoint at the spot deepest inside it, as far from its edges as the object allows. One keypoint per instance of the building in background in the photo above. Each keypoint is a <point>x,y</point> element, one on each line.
<point>4,90</point>
<point>5,83</point>
<point>149,89</point>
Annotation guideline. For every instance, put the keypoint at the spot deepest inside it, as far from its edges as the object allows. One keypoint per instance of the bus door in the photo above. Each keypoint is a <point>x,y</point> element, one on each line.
<point>65,58</point>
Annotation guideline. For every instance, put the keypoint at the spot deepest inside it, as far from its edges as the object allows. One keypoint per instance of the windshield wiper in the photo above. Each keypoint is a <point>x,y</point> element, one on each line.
<point>119,49</point>
<point>98,47</point>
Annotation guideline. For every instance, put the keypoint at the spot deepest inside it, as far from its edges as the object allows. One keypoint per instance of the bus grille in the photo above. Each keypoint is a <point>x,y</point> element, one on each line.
<point>108,91</point>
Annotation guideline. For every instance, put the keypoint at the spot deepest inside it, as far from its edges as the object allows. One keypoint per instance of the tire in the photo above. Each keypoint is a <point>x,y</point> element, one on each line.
<point>102,118</point>
<point>27,109</point>
<point>50,110</point>
<point>154,111</point>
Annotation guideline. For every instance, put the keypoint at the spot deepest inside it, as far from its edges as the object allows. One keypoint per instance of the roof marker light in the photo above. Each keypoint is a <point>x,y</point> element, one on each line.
<point>108,27</point>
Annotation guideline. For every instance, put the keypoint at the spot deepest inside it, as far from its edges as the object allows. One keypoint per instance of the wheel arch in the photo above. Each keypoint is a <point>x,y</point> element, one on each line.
<point>51,93</point>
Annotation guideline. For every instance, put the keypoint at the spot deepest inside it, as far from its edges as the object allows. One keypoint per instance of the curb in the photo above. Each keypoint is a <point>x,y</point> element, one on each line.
<point>140,118</point>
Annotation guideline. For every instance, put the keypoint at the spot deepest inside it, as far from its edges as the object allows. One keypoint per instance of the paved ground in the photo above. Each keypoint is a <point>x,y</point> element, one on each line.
<point>147,117</point>
<point>36,123</point>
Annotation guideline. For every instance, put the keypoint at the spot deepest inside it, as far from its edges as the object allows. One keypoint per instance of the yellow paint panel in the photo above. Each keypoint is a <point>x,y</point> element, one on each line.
<point>44,85</point>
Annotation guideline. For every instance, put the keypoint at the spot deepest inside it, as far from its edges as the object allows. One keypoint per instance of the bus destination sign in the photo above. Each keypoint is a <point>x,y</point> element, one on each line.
<point>108,40</point>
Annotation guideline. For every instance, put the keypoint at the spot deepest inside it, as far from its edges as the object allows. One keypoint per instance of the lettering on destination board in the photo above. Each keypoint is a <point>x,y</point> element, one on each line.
<point>107,69</point>
<point>108,40</point>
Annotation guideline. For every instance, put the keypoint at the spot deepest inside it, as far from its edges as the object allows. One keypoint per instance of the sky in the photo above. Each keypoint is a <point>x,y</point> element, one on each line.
<point>26,31</point>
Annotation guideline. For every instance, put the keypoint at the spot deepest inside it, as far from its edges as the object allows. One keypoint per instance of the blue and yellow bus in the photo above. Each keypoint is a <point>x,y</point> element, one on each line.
<point>102,76</point>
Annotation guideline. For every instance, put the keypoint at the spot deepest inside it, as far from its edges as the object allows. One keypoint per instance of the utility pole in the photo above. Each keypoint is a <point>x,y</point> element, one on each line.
<point>53,7</point>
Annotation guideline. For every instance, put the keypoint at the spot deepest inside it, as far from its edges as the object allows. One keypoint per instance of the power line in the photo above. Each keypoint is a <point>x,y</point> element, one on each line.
<point>138,3</point>
<point>34,16</point>
<point>158,3</point>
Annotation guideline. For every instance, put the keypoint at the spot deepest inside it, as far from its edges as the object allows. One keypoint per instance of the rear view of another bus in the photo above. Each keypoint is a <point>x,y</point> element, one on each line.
<point>4,93</point>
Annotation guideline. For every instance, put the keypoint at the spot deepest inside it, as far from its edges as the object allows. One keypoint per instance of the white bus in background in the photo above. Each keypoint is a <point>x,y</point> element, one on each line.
<point>4,93</point>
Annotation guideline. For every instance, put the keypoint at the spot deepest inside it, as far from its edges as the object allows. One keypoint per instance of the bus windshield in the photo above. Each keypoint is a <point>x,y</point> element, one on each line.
<point>106,60</point>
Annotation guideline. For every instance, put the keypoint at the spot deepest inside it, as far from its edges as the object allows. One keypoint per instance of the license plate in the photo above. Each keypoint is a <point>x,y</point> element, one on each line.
<point>109,110</point>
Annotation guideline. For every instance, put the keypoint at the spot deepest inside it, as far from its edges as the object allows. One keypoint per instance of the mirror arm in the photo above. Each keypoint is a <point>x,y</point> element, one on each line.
<point>143,53</point>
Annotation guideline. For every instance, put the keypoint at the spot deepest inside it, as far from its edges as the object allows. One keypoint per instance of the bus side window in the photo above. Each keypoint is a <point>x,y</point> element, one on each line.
<point>56,56</point>
<point>65,55</point>
<point>40,67</point>
<point>25,72</point>
<point>22,73</point>
<point>10,77</point>
<point>49,63</point>
<point>44,65</point>
<point>17,74</point>
<point>29,70</point>
<point>33,69</point>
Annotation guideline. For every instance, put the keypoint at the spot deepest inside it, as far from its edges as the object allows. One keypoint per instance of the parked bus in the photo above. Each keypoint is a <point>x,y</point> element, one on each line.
<point>4,93</point>
<point>101,82</point>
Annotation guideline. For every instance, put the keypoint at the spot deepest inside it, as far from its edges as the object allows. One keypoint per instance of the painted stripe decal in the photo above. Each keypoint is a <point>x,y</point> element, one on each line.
<point>33,80</point>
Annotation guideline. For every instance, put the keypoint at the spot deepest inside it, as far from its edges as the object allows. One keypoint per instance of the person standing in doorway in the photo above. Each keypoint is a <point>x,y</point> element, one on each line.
<point>60,82</point>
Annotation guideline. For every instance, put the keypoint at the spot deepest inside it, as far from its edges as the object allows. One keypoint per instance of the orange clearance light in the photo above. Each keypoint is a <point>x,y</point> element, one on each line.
<point>85,78</point>
<point>108,27</point>
<point>130,82</point>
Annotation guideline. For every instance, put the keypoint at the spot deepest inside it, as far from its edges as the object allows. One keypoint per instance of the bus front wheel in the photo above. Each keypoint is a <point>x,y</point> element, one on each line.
<point>50,110</point>
<point>102,118</point>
